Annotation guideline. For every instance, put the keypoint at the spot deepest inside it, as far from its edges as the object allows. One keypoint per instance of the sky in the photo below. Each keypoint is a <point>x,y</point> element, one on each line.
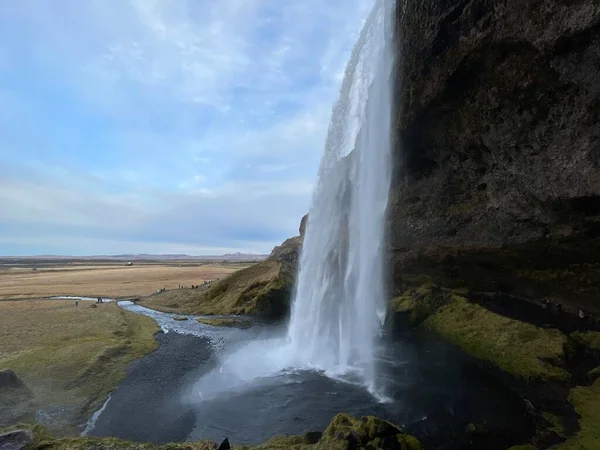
<point>164,126</point>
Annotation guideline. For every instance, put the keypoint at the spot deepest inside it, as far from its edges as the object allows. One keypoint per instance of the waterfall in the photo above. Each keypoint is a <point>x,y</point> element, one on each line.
<point>339,303</point>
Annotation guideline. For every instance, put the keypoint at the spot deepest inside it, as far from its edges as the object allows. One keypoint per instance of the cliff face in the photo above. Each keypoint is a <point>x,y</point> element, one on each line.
<point>497,144</point>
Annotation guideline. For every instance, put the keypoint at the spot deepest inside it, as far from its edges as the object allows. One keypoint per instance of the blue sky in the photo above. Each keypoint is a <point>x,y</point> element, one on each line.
<point>164,126</point>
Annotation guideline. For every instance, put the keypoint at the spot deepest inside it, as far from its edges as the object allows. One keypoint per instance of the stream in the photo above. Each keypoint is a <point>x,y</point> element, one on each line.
<point>205,382</point>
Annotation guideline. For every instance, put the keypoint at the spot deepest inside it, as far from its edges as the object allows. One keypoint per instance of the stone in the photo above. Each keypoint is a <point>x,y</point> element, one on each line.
<point>224,445</point>
<point>312,437</point>
<point>10,380</point>
<point>15,440</point>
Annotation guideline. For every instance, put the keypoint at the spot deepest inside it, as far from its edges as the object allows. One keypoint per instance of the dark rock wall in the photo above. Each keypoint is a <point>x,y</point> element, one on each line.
<point>497,128</point>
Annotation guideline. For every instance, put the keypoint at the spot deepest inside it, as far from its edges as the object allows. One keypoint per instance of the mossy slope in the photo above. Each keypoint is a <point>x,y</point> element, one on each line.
<point>343,433</point>
<point>262,289</point>
<point>71,358</point>
<point>586,400</point>
<point>516,347</point>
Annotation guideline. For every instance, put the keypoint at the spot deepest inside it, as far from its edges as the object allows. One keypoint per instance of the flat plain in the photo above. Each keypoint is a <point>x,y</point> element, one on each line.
<point>113,280</point>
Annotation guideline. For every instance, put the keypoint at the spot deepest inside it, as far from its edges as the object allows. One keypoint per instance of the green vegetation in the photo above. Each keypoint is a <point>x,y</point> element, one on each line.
<point>556,424</point>
<point>421,302</point>
<point>70,357</point>
<point>343,432</point>
<point>516,347</point>
<point>591,339</point>
<point>259,289</point>
<point>369,431</point>
<point>586,400</point>
<point>42,439</point>
<point>224,322</point>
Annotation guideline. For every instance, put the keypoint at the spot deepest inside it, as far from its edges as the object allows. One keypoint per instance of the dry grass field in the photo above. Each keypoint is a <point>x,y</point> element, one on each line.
<point>69,358</point>
<point>105,280</point>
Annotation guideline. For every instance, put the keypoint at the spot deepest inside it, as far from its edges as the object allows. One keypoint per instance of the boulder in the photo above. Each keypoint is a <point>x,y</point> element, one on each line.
<point>15,440</point>
<point>10,380</point>
<point>224,445</point>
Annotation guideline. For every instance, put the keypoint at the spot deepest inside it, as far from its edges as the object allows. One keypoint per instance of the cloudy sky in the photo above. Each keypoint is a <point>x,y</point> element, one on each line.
<point>164,126</point>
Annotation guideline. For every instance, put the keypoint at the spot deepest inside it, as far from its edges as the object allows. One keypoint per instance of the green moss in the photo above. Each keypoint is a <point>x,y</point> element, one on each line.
<point>261,289</point>
<point>284,443</point>
<point>594,373</point>
<point>404,303</point>
<point>556,424</point>
<point>475,428</point>
<point>368,431</point>
<point>341,434</point>
<point>225,322</point>
<point>77,369</point>
<point>586,401</point>
<point>518,348</point>
<point>590,339</point>
<point>421,302</point>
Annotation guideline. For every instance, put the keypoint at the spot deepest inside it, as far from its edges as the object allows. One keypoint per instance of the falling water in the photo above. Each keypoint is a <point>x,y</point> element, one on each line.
<point>339,303</point>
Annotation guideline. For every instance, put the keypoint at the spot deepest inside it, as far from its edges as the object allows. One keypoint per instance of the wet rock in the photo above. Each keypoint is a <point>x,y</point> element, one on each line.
<point>312,437</point>
<point>224,445</point>
<point>15,440</point>
<point>10,380</point>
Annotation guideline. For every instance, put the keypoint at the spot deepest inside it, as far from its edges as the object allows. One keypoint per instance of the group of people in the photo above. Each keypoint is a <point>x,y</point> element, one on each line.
<point>196,286</point>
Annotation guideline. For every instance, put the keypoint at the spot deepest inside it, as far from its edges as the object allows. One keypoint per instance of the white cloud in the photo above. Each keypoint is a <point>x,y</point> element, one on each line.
<point>200,115</point>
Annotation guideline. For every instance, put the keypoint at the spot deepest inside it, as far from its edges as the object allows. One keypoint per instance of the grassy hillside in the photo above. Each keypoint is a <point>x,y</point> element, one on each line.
<point>260,289</point>
<point>69,358</point>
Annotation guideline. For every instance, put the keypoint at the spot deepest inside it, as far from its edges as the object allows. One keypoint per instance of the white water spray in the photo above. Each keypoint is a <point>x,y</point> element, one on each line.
<point>339,305</point>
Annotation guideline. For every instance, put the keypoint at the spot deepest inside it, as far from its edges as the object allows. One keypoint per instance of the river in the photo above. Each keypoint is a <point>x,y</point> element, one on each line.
<point>182,393</point>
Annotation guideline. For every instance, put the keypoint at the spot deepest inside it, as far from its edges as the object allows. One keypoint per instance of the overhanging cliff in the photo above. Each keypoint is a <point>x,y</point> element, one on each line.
<point>497,181</point>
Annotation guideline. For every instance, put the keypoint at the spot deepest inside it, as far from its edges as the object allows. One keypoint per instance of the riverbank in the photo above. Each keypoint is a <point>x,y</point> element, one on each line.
<point>548,356</point>
<point>207,382</point>
<point>68,358</point>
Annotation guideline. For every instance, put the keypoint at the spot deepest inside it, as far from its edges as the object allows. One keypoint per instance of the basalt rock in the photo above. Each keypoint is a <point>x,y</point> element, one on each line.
<point>497,145</point>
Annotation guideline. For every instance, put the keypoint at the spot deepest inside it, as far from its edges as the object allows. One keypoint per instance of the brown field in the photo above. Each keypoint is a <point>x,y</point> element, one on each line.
<point>69,358</point>
<point>106,280</point>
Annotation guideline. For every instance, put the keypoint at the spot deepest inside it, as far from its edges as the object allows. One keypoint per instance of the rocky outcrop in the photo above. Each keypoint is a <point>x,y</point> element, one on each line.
<point>15,440</point>
<point>10,380</point>
<point>498,146</point>
<point>263,289</point>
